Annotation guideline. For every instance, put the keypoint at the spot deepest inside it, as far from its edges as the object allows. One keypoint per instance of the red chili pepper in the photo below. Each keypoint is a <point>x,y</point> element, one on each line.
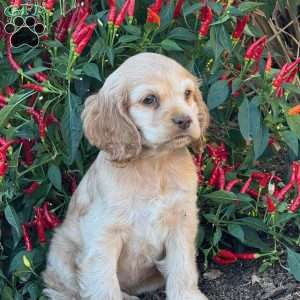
<point>246,186</point>
<point>112,13</point>
<point>231,184</point>
<point>131,10</point>
<point>10,91</point>
<point>35,87</point>
<point>81,46</point>
<point>240,26</point>
<point>40,227</point>
<point>31,101</point>
<point>268,65</point>
<point>281,193</point>
<point>295,204</point>
<point>247,256</point>
<point>3,168</point>
<point>253,193</point>
<point>177,10</point>
<point>218,153</point>
<point>32,188</point>
<point>206,16</point>
<point>40,120</point>
<point>285,75</point>
<point>225,257</point>
<point>221,179</point>
<point>77,38</point>
<point>271,207</point>
<point>255,50</point>
<point>26,237</point>
<point>153,17</point>
<point>262,178</point>
<point>27,150</point>
<point>51,119</point>
<point>50,4</point>
<point>39,76</point>
<point>73,184</point>
<point>62,27</point>
<point>16,3</point>
<point>214,175</point>
<point>50,217</point>
<point>122,14</point>
<point>294,111</point>
<point>15,66</point>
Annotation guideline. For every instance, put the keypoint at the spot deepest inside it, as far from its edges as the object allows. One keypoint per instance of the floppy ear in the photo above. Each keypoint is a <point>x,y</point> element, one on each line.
<point>203,116</point>
<point>107,125</point>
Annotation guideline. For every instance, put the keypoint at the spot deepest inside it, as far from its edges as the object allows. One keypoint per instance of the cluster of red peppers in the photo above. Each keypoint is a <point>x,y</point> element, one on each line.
<point>42,121</point>
<point>4,99</point>
<point>44,219</point>
<point>217,179</point>
<point>227,257</point>
<point>5,147</point>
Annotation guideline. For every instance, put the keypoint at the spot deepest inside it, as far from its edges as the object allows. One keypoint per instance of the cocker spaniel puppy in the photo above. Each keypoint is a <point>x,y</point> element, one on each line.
<point>131,225</point>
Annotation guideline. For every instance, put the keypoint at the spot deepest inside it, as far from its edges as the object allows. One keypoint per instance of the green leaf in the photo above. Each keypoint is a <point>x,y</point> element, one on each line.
<point>36,70</point>
<point>260,141</point>
<point>294,124</point>
<point>236,231</point>
<point>249,6</point>
<point>92,70</point>
<point>181,33</point>
<point>254,223</point>
<point>294,263</point>
<point>249,118</point>
<point>291,88</point>
<point>13,219</point>
<point>54,176</point>
<point>217,94</point>
<point>134,30</point>
<point>236,84</point>
<point>221,196</point>
<point>170,45</point>
<point>71,125</point>
<point>98,48</point>
<point>189,9</point>
<point>7,293</point>
<point>217,236</point>
<point>291,140</point>
<point>252,239</point>
<point>14,102</point>
<point>128,38</point>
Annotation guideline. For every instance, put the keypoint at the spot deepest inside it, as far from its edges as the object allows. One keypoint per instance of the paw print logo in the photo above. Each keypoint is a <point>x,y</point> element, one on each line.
<point>25,27</point>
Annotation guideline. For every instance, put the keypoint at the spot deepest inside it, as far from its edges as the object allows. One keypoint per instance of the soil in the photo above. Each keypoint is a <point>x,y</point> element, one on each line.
<point>242,281</point>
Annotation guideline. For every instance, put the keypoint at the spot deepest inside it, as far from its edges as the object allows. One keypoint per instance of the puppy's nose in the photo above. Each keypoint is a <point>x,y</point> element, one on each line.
<point>182,121</point>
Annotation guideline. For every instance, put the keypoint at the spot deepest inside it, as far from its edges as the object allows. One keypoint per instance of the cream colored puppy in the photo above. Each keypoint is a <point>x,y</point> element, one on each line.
<point>131,225</point>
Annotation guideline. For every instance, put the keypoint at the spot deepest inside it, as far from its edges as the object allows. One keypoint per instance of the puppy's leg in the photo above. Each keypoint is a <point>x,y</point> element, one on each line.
<point>181,269</point>
<point>98,269</point>
<point>128,297</point>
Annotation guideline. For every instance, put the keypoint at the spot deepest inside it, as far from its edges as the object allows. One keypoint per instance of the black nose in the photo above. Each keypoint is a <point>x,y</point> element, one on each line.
<point>182,121</point>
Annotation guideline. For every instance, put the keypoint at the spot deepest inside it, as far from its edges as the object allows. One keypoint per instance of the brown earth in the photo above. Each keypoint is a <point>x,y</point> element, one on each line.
<point>242,281</point>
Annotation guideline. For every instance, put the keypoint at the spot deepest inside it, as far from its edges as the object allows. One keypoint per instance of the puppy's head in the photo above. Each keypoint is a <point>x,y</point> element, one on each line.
<point>150,101</point>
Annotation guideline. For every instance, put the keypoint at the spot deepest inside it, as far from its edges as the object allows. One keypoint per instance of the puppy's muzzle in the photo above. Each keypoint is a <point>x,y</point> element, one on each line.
<point>182,121</point>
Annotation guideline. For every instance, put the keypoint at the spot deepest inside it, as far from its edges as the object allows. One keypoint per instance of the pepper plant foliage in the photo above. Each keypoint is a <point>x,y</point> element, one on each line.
<point>43,154</point>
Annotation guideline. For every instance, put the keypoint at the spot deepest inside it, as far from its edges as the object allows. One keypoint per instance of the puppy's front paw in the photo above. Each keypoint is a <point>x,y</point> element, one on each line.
<point>195,295</point>
<point>188,295</point>
<point>128,297</point>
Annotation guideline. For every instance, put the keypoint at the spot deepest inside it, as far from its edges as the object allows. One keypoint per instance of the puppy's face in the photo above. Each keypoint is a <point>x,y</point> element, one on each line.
<point>166,108</point>
<point>149,101</point>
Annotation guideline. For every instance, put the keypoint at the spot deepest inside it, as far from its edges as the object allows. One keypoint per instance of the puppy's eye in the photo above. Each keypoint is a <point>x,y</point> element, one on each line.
<point>150,100</point>
<point>187,93</point>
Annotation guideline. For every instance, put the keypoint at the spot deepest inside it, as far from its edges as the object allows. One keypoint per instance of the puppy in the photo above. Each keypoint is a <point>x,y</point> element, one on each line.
<point>131,225</point>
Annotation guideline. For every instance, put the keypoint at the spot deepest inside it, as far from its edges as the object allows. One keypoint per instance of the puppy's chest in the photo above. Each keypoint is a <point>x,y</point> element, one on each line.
<point>153,218</point>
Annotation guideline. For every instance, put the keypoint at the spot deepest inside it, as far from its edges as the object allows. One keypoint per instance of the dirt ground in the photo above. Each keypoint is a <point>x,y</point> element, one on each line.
<point>242,281</point>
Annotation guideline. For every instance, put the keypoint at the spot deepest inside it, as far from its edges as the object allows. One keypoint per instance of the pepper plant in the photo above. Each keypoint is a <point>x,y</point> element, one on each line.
<point>249,205</point>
